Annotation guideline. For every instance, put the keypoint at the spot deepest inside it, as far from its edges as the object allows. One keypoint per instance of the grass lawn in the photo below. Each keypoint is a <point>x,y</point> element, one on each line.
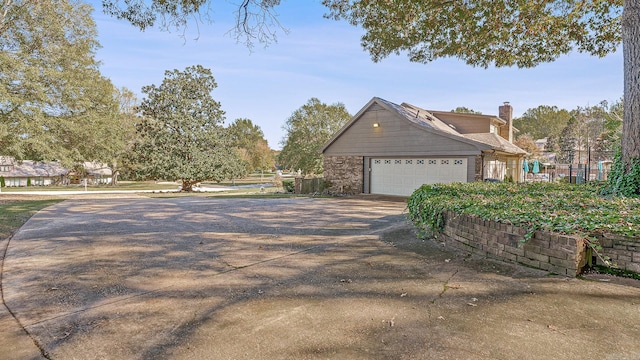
<point>122,185</point>
<point>14,213</point>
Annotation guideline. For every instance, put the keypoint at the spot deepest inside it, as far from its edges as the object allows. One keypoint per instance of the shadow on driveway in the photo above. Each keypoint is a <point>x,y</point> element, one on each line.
<point>207,278</point>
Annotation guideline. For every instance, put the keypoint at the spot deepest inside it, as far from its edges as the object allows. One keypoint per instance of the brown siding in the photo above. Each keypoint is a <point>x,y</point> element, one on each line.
<point>466,124</point>
<point>394,137</point>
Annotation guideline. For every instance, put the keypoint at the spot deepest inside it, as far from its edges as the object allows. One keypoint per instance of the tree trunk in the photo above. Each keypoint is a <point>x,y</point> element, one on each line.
<point>187,185</point>
<point>631,54</point>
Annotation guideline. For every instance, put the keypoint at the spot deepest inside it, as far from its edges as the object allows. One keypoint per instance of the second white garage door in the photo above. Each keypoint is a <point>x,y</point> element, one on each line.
<point>402,176</point>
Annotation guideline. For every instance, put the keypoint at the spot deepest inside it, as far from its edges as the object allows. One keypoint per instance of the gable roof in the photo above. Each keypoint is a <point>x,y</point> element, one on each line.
<point>417,117</point>
<point>426,121</point>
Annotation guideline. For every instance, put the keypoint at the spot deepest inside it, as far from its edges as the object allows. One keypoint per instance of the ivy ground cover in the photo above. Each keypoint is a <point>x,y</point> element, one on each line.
<point>564,208</point>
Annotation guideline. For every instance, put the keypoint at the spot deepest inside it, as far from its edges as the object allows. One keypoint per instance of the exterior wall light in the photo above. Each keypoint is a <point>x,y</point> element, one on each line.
<point>375,124</point>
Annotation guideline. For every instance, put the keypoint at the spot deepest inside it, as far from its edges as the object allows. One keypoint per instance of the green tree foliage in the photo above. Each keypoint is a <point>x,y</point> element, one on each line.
<point>123,132</point>
<point>542,121</point>
<point>244,133</point>
<point>307,129</point>
<point>54,104</point>
<point>483,32</point>
<point>180,135</point>
<point>465,110</point>
<point>552,144</point>
<point>253,147</point>
<point>609,137</point>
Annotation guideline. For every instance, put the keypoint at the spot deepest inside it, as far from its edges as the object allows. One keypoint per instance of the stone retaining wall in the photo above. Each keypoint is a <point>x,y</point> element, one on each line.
<point>623,251</point>
<point>559,254</point>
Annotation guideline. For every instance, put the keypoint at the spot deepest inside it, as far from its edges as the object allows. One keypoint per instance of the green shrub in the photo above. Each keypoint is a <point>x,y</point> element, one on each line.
<point>28,181</point>
<point>2,184</point>
<point>288,185</point>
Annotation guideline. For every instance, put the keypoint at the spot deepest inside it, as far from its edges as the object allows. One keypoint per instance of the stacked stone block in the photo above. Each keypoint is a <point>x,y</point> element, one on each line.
<point>559,254</point>
<point>623,251</point>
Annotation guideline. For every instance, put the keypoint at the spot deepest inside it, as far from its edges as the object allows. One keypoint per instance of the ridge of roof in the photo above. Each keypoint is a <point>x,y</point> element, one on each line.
<point>493,117</point>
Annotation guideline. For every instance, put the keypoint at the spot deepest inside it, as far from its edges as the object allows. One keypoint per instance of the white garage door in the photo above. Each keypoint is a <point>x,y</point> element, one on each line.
<point>402,176</point>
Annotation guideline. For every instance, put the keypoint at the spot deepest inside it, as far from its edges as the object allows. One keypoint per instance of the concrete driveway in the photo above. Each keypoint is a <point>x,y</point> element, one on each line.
<point>294,278</point>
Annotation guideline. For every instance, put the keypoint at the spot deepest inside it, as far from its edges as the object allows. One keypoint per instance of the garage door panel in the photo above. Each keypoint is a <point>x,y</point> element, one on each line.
<point>401,176</point>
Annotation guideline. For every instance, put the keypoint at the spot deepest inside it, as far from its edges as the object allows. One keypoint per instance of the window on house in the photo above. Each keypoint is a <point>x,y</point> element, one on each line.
<point>432,162</point>
<point>444,162</point>
<point>420,162</point>
<point>387,162</point>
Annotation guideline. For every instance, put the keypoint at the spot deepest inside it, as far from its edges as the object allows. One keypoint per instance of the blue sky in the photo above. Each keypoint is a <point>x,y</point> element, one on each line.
<point>323,58</point>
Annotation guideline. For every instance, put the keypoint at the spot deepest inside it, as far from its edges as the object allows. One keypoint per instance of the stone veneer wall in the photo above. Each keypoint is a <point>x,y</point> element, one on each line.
<point>560,254</point>
<point>479,170</point>
<point>344,174</point>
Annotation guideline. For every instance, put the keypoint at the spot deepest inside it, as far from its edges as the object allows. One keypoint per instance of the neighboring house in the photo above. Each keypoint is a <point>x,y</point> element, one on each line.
<point>27,172</point>
<point>98,173</point>
<point>33,173</point>
<point>393,149</point>
<point>546,157</point>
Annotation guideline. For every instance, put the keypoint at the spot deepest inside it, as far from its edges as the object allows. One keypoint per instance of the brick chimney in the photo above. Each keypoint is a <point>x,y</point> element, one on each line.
<point>505,112</point>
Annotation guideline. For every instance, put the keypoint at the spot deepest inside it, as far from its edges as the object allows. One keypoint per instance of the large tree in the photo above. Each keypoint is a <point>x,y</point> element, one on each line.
<point>122,132</point>
<point>253,148</point>
<point>54,103</point>
<point>307,129</point>
<point>181,136</point>
<point>542,122</point>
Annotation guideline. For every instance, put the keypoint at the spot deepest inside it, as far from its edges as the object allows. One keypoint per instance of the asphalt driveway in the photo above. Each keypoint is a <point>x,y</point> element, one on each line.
<point>293,278</point>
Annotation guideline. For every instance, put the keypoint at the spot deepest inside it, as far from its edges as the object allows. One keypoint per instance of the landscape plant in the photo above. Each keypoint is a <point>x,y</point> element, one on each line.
<point>180,135</point>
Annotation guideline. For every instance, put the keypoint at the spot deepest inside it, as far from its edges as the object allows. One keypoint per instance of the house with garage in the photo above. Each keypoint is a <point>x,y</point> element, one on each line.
<point>393,149</point>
